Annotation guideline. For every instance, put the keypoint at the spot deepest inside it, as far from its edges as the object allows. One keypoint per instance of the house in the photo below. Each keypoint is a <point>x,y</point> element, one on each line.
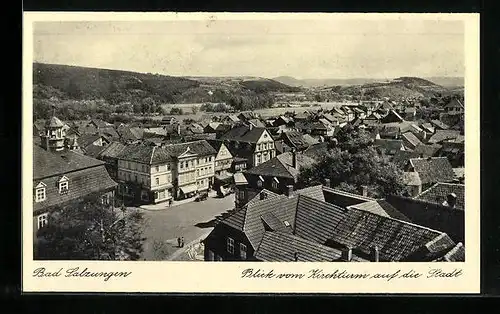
<point>99,124</point>
<point>61,175</point>
<point>97,139</point>
<point>446,194</point>
<point>455,106</point>
<point>169,120</point>
<point>256,123</point>
<point>239,164</point>
<point>389,147</point>
<point>332,119</point>
<point>432,215</point>
<point>286,228</point>
<point>223,158</point>
<point>445,135</point>
<point>410,113</point>
<point>391,117</point>
<point>428,128</point>
<point>431,170</point>
<point>109,154</point>
<point>438,125</point>
<point>401,157</point>
<point>278,173</point>
<point>283,120</point>
<point>295,139</point>
<point>301,116</point>
<point>281,147</point>
<point>230,119</point>
<point>254,144</point>
<point>151,174</point>
<point>130,135</point>
<point>410,141</point>
<point>413,183</point>
<point>454,151</point>
<point>329,127</point>
<point>247,115</point>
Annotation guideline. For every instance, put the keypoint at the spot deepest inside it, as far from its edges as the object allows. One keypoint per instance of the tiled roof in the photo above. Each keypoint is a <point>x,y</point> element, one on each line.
<point>282,247</point>
<point>428,127</point>
<point>438,194</point>
<point>94,150</point>
<point>46,164</point>
<point>457,254</point>
<point>442,135</point>
<point>82,182</point>
<point>257,123</point>
<point>282,147</point>
<point>329,117</point>
<point>440,125</point>
<point>433,169</point>
<point>296,139</point>
<point>459,172</point>
<point>310,140</point>
<point>112,150</point>
<point>380,207</point>
<point>427,150</point>
<point>281,166</point>
<point>154,155</point>
<point>315,192</point>
<point>88,139</point>
<point>411,179</point>
<point>318,224</point>
<point>454,103</point>
<point>411,139</point>
<point>395,239</point>
<point>244,134</point>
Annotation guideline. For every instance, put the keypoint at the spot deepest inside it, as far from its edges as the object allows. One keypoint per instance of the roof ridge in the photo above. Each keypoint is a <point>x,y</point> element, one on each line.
<point>152,154</point>
<point>453,250</point>
<point>427,190</point>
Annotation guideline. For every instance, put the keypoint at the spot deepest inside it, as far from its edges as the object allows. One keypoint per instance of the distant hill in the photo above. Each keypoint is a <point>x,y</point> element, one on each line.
<point>115,86</point>
<point>291,81</point>
<point>451,82</point>
<point>403,87</point>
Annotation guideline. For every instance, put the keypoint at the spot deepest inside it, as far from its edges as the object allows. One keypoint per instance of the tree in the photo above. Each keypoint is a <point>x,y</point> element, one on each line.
<point>137,108</point>
<point>354,163</point>
<point>194,109</point>
<point>88,230</point>
<point>176,111</point>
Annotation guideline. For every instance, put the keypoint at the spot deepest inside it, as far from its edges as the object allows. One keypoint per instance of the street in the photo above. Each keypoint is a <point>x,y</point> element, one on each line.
<point>192,221</point>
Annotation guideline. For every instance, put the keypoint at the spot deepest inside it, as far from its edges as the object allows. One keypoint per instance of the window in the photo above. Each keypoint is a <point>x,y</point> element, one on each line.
<point>241,194</point>
<point>275,185</point>
<point>230,245</point>
<point>198,172</point>
<point>40,194</point>
<point>157,180</point>
<point>259,183</point>
<point>243,251</point>
<point>168,167</point>
<point>258,159</point>
<point>181,165</point>
<point>42,220</point>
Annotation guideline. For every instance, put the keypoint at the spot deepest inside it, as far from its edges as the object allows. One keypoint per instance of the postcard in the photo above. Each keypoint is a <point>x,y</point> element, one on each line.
<point>250,152</point>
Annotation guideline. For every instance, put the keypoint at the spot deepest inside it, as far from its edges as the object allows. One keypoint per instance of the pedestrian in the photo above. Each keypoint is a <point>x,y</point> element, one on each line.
<point>182,241</point>
<point>178,242</point>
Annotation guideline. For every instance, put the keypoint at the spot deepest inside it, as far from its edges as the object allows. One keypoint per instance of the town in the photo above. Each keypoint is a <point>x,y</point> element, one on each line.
<point>315,174</point>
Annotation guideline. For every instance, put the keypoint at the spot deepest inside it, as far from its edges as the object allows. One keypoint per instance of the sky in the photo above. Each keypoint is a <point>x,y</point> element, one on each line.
<point>304,49</point>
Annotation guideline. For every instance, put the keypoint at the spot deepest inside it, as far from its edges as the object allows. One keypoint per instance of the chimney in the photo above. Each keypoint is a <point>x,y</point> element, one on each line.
<point>327,183</point>
<point>375,254</point>
<point>364,190</point>
<point>294,158</point>
<point>289,190</point>
<point>250,126</point>
<point>296,256</point>
<point>263,195</point>
<point>346,254</point>
<point>178,129</point>
<point>452,199</point>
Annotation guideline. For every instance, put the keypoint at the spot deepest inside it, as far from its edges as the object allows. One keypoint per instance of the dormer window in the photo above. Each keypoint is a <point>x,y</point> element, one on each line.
<point>40,194</point>
<point>275,183</point>
<point>63,185</point>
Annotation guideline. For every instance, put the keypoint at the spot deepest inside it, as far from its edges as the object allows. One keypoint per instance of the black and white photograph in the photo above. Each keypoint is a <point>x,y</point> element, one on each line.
<point>241,140</point>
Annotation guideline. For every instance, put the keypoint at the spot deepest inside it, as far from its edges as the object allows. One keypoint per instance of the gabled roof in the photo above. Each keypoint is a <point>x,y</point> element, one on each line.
<point>281,166</point>
<point>442,135</point>
<point>389,145</point>
<point>454,103</point>
<point>315,192</point>
<point>244,134</point>
<point>309,139</point>
<point>88,139</point>
<point>296,139</point>
<point>94,150</point>
<point>257,123</point>
<point>380,207</point>
<point>438,193</point>
<point>428,127</point>
<point>411,179</point>
<point>439,125</point>
<point>412,139</point>
<point>112,150</point>
<point>433,169</point>
<point>457,254</point>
